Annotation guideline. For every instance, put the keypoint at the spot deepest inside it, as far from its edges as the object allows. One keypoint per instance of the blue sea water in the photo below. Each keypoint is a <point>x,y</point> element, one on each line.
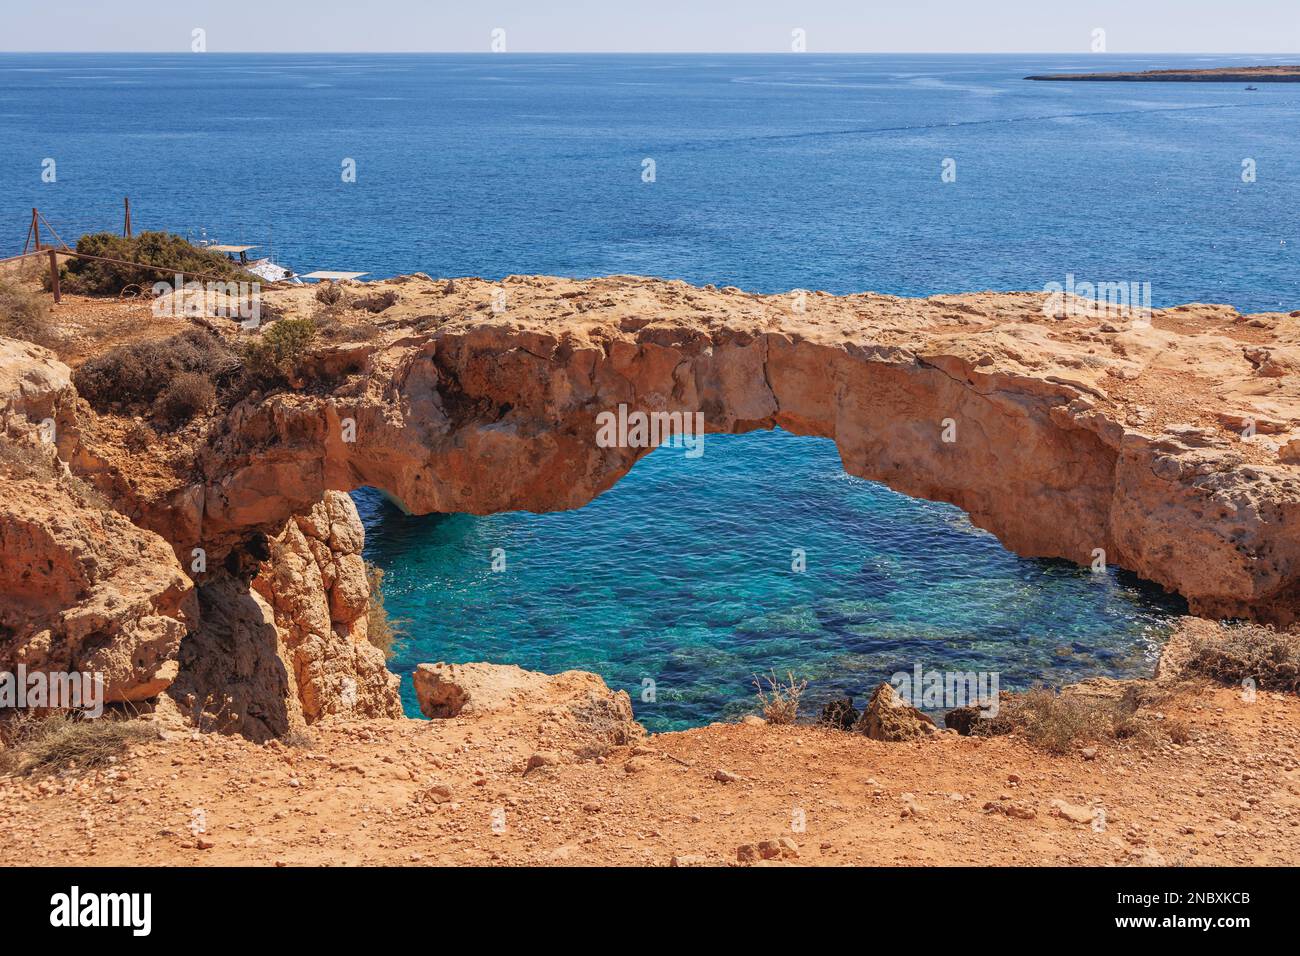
<point>771,173</point>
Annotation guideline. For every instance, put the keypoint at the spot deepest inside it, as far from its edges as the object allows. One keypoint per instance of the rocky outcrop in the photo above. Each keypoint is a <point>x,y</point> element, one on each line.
<point>84,588</point>
<point>81,587</point>
<point>289,647</point>
<point>889,718</point>
<point>1081,438</point>
<point>575,703</point>
<point>232,674</point>
<point>316,585</point>
<point>1164,446</point>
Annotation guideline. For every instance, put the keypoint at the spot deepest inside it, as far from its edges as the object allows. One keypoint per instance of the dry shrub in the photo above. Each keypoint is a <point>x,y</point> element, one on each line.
<point>139,437</point>
<point>278,354</point>
<point>839,713</point>
<point>1249,652</point>
<point>25,315</point>
<point>42,744</point>
<point>134,376</point>
<point>188,394</point>
<point>25,461</point>
<point>330,328</point>
<point>376,302</point>
<point>1061,723</point>
<point>299,740</point>
<point>605,722</point>
<point>329,293</point>
<point>779,703</point>
<point>381,630</point>
<point>1178,731</point>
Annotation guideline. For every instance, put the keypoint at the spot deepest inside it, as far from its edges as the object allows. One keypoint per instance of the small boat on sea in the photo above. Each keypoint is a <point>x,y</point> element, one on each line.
<point>264,268</point>
<point>1252,89</point>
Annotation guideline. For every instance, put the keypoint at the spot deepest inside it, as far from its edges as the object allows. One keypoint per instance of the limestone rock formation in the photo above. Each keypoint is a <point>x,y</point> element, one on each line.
<point>574,701</point>
<point>1082,438</point>
<point>290,647</point>
<point>317,587</point>
<point>1163,444</point>
<point>889,718</point>
<point>84,588</point>
<point>81,587</point>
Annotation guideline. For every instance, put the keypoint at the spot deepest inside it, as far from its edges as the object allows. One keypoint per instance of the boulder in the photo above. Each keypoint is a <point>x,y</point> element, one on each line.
<point>575,704</point>
<point>887,717</point>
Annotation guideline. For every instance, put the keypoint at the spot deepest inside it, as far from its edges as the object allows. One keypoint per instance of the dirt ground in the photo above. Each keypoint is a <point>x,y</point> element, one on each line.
<point>458,792</point>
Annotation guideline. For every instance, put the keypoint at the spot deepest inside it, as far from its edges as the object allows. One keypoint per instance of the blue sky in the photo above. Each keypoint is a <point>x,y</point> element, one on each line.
<point>1148,26</point>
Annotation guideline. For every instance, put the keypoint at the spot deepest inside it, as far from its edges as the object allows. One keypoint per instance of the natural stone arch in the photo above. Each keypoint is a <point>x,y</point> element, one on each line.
<point>500,414</point>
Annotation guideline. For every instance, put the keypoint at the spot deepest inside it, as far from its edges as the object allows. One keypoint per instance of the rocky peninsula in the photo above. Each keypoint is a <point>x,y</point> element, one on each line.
<point>1224,74</point>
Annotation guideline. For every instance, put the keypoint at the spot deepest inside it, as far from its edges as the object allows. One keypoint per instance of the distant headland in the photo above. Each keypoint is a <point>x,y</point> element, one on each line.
<point>1231,74</point>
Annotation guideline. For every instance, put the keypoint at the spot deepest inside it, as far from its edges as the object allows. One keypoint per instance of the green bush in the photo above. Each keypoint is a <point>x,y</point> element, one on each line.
<point>277,355</point>
<point>172,253</point>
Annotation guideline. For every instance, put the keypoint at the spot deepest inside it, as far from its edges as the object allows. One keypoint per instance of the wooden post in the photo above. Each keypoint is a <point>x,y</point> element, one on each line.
<point>127,202</point>
<point>54,276</point>
<point>36,228</point>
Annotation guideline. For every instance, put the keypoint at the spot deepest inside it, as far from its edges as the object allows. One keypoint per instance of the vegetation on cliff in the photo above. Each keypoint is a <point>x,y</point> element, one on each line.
<point>142,260</point>
<point>277,355</point>
<point>1249,652</point>
<point>173,379</point>
<point>381,630</point>
<point>24,315</point>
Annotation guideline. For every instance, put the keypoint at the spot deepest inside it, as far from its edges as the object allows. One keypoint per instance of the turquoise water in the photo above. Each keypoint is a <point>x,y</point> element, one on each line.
<point>682,575</point>
<point>772,172</point>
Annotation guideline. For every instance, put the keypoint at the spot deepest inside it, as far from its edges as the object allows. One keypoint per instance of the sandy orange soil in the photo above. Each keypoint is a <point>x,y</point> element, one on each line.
<point>455,791</point>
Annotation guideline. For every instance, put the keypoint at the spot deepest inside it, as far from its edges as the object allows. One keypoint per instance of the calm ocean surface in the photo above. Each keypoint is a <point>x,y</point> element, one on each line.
<point>772,172</point>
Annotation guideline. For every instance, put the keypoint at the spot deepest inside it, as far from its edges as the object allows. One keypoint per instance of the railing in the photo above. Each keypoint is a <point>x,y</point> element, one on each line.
<point>52,254</point>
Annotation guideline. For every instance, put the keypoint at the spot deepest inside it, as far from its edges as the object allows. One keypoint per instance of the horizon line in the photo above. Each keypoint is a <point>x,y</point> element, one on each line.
<point>782,53</point>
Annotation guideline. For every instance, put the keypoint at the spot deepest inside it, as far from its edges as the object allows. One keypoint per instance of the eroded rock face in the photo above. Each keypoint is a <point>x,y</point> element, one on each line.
<point>81,587</point>
<point>1035,427</point>
<point>1166,447</point>
<point>316,584</point>
<point>84,588</point>
<point>289,647</point>
<point>232,676</point>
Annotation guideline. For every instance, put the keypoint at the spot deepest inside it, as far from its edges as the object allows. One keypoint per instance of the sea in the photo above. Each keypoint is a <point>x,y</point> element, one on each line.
<point>906,174</point>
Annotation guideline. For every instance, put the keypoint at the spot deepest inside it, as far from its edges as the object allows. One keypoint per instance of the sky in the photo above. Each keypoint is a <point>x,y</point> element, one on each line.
<point>612,26</point>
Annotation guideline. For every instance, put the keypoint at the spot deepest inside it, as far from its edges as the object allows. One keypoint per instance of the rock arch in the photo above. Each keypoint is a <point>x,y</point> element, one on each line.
<point>490,414</point>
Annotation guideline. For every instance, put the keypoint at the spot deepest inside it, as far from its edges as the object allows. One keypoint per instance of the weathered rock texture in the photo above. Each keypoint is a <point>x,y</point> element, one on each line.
<point>1081,438</point>
<point>317,586</point>
<point>84,588</point>
<point>81,587</point>
<point>889,718</point>
<point>575,705</point>
<point>291,647</point>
